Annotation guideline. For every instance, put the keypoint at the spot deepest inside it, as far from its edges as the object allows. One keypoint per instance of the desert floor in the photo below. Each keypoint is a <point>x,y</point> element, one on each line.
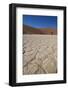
<point>39,54</point>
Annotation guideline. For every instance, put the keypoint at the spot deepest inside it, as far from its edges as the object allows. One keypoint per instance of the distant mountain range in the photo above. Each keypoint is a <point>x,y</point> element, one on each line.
<point>32,30</point>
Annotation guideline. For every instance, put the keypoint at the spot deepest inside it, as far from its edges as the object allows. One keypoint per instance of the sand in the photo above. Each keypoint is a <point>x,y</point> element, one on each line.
<point>40,54</point>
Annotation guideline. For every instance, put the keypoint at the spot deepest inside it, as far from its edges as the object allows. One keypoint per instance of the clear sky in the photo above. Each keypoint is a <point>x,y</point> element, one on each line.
<point>40,21</point>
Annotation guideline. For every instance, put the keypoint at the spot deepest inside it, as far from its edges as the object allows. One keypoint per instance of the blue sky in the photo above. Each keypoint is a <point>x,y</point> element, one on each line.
<point>40,21</point>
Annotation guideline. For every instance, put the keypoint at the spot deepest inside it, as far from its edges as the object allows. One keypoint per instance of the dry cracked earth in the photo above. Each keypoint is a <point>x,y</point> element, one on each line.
<point>39,54</point>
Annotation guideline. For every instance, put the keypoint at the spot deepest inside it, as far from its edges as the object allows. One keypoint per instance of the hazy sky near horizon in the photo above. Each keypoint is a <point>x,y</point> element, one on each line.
<point>40,21</point>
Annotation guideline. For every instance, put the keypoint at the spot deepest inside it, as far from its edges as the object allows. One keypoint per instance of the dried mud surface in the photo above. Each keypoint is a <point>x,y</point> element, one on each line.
<point>39,54</point>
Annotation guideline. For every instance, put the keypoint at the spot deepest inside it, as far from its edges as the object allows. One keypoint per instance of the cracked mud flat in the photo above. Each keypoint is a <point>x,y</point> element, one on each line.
<point>39,54</point>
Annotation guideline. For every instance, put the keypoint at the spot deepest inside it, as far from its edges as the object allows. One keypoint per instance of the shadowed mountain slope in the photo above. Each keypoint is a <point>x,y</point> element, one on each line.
<point>32,30</point>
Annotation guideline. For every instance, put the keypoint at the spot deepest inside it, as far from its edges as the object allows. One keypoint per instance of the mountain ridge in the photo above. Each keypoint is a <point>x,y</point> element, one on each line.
<point>31,30</point>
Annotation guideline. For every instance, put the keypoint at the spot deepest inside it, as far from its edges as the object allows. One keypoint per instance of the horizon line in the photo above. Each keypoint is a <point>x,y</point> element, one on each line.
<point>40,27</point>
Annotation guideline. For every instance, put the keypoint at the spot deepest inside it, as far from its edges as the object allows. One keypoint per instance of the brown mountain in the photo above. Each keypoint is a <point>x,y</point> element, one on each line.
<point>31,30</point>
<point>49,31</point>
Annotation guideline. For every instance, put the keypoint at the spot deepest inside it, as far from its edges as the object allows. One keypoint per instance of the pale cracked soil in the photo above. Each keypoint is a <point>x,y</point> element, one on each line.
<point>39,54</point>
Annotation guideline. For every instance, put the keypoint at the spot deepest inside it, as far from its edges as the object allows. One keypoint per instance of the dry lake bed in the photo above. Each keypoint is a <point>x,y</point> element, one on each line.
<point>39,54</point>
